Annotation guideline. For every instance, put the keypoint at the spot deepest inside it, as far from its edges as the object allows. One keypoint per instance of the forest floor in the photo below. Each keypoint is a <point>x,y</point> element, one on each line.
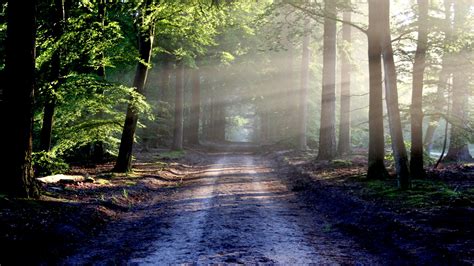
<point>241,205</point>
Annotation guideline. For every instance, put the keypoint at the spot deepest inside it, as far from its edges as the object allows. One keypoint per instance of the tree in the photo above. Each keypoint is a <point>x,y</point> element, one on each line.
<point>59,18</point>
<point>303,108</point>
<point>327,132</point>
<point>416,152</point>
<point>344,145</point>
<point>376,167</point>
<point>443,77</point>
<point>458,145</point>
<point>18,97</point>
<point>145,45</point>
<point>391,97</point>
<point>178,108</point>
<point>195,107</point>
<point>98,146</point>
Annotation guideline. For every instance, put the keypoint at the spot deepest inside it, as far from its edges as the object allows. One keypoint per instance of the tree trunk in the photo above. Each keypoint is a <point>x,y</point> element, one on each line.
<point>195,108</point>
<point>55,75</point>
<point>98,152</point>
<point>376,167</point>
<point>165,76</point>
<point>416,152</point>
<point>212,118</point>
<point>220,133</point>
<point>327,132</point>
<point>458,144</point>
<point>145,45</point>
<point>219,123</point>
<point>18,95</point>
<point>344,145</point>
<point>178,108</point>
<point>391,96</point>
<point>303,95</point>
<point>443,79</point>
<point>264,127</point>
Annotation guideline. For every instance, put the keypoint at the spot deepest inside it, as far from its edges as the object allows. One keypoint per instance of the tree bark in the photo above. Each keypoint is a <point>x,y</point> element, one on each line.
<point>344,145</point>
<point>303,95</point>
<point>18,96</point>
<point>195,108</point>
<point>145,45</point>
<point>178,108</point>
<point>219,123</point>
<point>376,167</point>
<point>458,144</point>
<point>165,76</point>
<point>391,96</point>
<point>416,152</point>
<point>327,132</point>
<point>443,79</point>
<point>55,74</point>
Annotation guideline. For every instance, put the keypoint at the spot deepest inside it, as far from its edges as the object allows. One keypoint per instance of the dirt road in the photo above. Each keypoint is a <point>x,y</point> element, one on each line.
<point>237,210</point>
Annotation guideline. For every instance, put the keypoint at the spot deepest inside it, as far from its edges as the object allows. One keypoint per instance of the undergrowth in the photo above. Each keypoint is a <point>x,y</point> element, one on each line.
<point>423,192</point>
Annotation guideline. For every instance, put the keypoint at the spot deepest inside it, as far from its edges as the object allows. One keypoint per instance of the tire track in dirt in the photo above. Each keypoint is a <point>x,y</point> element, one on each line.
<point>236,210</point>
<point>239,211</point>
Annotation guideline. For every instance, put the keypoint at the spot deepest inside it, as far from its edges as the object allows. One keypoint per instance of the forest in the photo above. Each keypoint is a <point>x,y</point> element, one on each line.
<point>237,132</point>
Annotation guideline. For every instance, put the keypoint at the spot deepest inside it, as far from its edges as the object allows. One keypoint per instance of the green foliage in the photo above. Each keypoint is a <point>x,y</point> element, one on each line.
<point>48,163</point>
<point>423,193</point>
<point>91,110</point>
<point>84,45</point>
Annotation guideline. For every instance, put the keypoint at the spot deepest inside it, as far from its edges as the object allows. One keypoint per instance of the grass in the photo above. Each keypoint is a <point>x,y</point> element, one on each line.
<point>171,155</point>
<point>341,163</point>
<point>422,193</point>
<point>130,183</point>
<point>161,165</point>
<point>102,181</point>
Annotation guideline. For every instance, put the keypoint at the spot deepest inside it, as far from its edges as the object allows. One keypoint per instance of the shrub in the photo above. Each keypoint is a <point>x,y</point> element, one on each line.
<point>47,163</point>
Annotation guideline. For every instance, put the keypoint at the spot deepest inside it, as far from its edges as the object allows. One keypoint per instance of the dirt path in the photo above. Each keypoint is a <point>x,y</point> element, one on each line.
<point>237,210</point>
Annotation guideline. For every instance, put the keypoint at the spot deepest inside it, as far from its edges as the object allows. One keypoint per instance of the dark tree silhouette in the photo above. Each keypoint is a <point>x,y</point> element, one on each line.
<point>18,97</point>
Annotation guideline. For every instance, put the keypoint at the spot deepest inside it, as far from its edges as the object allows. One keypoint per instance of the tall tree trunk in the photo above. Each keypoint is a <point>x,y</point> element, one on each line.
<point>263,127</point>
<point>18,95</point>
<point>327,132</point>
<point>376,167</point>
<point>145,45</point>
<point>165,76</point>
<point>178,108</point>
<point>344,145</point>
<point>458,144</point>
<point>55,74</point>
<point>195,108</point>
<point>288,99</point>
<point>219,123</point>
<point>416,152</point>
<point>443,79</point>
<point>98,152</point>
<point>212,117</point>
<point>391,96</point>
<point>303,95</point>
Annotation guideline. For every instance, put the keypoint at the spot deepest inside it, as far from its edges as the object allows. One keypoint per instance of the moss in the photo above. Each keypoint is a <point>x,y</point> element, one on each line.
<point>161,165</point>
<point>107,175</point>
<point>102,181</point>
<point>341,163</point>
<point>422,193</point>
<point>171,155</point>
<point>130,183</point>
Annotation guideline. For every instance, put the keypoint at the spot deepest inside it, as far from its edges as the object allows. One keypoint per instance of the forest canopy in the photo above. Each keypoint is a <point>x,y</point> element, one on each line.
<point>88,82</point>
